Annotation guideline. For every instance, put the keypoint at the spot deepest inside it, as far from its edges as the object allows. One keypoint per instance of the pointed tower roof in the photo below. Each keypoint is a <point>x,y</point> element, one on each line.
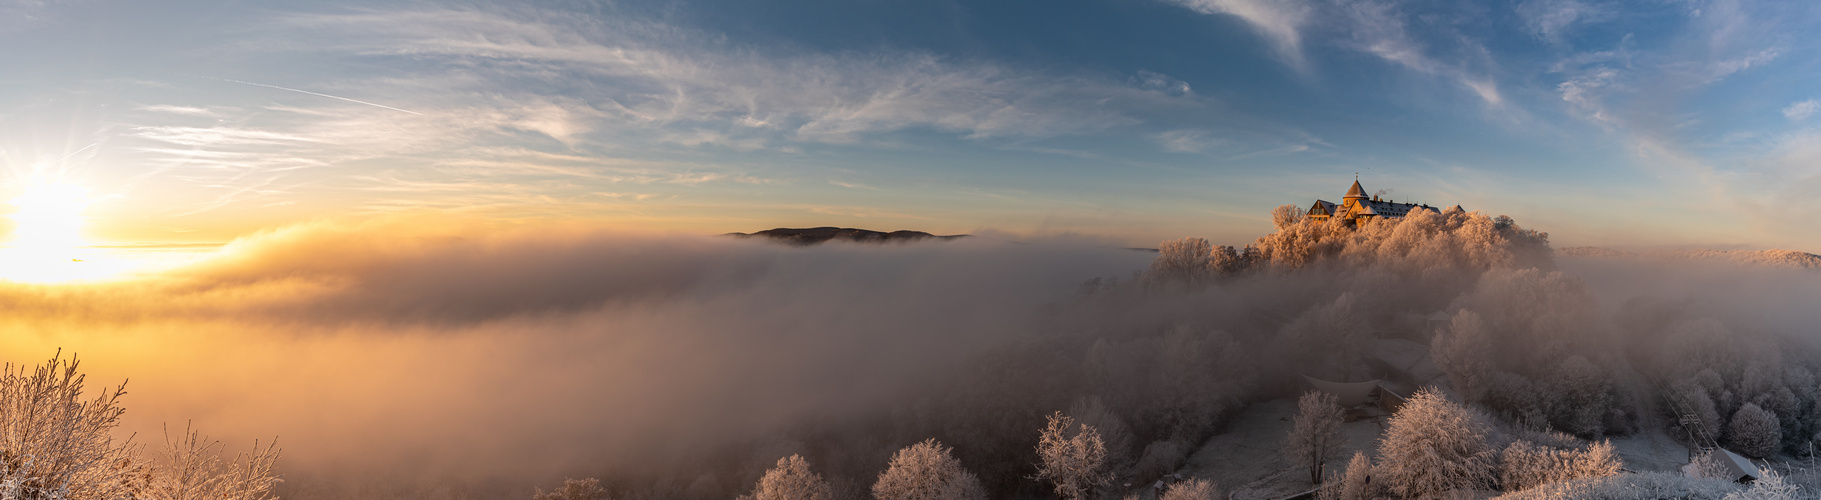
<point>1355,191</point>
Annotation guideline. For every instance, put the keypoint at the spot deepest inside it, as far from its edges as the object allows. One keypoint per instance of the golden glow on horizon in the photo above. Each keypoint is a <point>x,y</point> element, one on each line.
<point>46,245</point>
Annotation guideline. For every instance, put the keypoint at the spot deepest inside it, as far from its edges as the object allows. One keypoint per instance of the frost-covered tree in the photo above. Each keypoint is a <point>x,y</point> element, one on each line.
<point>1185,262</point>
<point>1193,489</point>
<point>1755,432</point>
<point>791,479</point>
<point>1071,457</point>
<point>1226,260</point>
<point>1092,412</point>
<point>927,471</point>
<point>1526,465</point>
<point>1464,352</point>
<point>1313,439</point>
<point>573,489</point>
<point>1689,396</point>
<point>1286,215</point>
<point>1354,484</point>
<point>1433,446</point>
<point>1584,397</point>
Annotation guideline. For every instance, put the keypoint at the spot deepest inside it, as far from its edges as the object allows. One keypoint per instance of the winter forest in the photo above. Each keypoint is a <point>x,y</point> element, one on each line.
<point>701,368</point>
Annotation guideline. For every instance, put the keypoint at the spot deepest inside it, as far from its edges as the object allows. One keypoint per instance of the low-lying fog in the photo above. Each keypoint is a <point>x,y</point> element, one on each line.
<point>406,358</point>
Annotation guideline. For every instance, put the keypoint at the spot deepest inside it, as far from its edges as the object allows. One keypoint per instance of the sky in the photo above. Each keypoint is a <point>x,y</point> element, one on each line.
<point>1622,124</point>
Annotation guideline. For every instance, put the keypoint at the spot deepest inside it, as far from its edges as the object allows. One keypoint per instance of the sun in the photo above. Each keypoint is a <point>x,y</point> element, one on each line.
<point>46,245</point>
<point>49,218</point>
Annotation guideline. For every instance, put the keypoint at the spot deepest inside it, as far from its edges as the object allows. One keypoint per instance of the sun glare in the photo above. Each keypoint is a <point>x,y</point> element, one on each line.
<point>46,244</point>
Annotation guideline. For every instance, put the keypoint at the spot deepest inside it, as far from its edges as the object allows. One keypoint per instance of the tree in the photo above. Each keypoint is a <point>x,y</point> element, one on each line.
<point>791,479</point>
<point>574,489</point>
<point>1286,215</point>
<point>1755,432</point>
<point>1193,489</point>
<point>1433,446</point>
<point>1187,261</point>
<point>1357,484</point>
<point>1464,352</point>
<point>1092,412</point>
<point>1526,465</point>
<point>1312,440</point>
<point>1075,462</point>
<point>1584,397</point>
<point>926,471</point>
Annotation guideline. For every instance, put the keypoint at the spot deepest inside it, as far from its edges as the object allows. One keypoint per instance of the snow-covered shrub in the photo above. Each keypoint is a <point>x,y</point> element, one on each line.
<point>926,471</point>
<point>1433,446</point>
<point>791,479</point>
<point>192,469</point>
<point>573,489</point>
<point>1755,432</point>
<point>1071,457</point>
<point>1312,439</point>
<point>55,445</point>
<point>1526,465</point>
<point>1770,486</point>
<point>1193,489</point>
<point>1708,466</point>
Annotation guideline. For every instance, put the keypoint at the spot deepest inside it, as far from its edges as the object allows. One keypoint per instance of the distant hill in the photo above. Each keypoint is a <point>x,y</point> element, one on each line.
<point>1769,258</point>
<point>814,235</point>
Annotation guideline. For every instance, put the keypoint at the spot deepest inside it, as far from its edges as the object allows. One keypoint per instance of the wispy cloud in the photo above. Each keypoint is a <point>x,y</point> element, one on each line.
<point>1279,21</point>
<point>1551,20</point>
<point>1378,28</point>
<point>700,93</point>
<point>1801,110</point>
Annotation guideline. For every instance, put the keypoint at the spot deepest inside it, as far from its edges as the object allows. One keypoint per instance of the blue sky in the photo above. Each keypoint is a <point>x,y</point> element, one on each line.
<point>1663,123</point>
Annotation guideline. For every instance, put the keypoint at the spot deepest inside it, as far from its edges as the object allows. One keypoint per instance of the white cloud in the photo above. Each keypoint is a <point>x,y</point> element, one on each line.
<point>1280,21</point>
<point>1552,19</point>
<point>1801,110</point>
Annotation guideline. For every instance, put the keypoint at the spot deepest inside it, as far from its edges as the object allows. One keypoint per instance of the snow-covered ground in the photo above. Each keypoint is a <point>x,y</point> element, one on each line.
<point>1244,459</point>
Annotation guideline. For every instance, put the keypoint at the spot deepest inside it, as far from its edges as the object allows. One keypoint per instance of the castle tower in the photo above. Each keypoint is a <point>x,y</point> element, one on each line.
<point>1354,196</point>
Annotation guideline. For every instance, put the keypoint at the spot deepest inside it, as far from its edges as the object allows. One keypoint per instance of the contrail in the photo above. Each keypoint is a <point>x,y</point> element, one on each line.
<point>73,153</point>
<point>356,101</point>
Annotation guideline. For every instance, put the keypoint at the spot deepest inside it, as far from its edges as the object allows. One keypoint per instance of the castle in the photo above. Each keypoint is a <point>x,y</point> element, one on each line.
<point>1356,207</point>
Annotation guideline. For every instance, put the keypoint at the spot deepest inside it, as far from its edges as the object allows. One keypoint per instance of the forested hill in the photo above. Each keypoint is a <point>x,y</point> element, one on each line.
<point>814,235</point>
